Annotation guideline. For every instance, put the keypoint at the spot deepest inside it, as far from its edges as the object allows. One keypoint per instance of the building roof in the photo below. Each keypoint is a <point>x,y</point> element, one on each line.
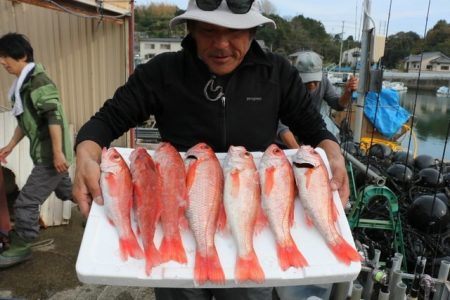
<point>442,60</point>
<point>106,9</point>
<point>426,56</point>
<point>161,40</point>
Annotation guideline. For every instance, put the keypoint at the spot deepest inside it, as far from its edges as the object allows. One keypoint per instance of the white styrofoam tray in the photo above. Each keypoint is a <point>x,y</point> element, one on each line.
<point>99,261</point>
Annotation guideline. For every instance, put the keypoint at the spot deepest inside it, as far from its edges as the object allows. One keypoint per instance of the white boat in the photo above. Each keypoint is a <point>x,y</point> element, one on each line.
<point>339,78</point>
<point>395,85</point>
<point>443,91</point>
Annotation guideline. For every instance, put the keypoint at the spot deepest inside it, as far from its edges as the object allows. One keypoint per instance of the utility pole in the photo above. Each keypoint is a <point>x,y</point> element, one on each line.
<point>342,42</point>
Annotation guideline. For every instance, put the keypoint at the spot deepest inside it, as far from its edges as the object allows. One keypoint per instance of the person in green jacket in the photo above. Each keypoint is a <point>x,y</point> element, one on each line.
<point>37,107</point>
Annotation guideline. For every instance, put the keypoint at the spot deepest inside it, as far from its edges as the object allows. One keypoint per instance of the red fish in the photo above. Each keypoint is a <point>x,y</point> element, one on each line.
<point>205,198</point>
<point>278,195</point>
<point>242,201</point>
<point>117,192</point>
<point>174,201</point>
<point>147,202</point>
<point>313,184</point>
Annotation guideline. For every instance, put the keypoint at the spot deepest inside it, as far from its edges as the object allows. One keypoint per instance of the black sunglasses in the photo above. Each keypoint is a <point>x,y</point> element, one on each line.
<point>236,6</point>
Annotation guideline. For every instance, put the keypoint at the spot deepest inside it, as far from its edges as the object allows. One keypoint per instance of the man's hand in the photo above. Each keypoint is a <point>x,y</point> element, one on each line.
<point>87,176</point>
<point>340,180</point>
<point>60,163</point>
<point>351,84</point>
<point>4,152</point>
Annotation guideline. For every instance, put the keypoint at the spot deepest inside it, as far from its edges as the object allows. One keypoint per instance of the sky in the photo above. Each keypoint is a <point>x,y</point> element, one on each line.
<point>406,15</point>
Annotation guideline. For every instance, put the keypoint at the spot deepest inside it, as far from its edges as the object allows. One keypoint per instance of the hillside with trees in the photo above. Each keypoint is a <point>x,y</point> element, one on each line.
<point>303,33</point>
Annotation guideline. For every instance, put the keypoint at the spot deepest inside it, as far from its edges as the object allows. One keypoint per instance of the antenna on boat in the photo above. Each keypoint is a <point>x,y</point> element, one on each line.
<point>363,73</point>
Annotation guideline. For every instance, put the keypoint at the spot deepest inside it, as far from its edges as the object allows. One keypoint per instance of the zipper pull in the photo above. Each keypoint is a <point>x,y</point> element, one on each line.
<point>223,101</point>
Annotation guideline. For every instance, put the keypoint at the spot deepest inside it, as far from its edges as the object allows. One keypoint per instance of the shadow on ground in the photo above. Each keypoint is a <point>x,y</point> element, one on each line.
<point>50,274</point>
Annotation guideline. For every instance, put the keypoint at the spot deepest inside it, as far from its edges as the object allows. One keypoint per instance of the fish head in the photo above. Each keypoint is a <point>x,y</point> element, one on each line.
<point>164,151</point>
<point>238,157</point>
<point>273,156</point>
<point>200,151</point>
<point>306,157</point>
<point>137,154</point>
<point>163,146</point>
<point>112,161</point>
<point>141,159</point>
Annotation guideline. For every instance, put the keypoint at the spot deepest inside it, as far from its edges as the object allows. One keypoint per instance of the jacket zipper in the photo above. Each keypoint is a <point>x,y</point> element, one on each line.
<point>223,100</point>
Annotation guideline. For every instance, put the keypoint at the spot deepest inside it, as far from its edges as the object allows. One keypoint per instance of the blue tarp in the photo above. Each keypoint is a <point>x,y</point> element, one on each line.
<point>390,116</point>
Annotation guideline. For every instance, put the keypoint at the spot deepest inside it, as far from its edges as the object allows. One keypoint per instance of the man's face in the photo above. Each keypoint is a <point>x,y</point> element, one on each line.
<point>222,49</point>
<point>13,66</point>
<point>312,85</point>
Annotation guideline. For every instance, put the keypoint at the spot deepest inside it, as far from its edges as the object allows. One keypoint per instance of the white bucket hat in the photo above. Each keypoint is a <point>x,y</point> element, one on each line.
<point>222,16</point>
<point>309,65</point>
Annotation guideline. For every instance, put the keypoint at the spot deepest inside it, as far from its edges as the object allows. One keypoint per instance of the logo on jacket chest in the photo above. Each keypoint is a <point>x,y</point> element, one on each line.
<point>253,99</point>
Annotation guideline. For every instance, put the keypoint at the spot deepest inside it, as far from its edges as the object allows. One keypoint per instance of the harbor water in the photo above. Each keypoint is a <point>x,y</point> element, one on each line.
<point>431,121</point>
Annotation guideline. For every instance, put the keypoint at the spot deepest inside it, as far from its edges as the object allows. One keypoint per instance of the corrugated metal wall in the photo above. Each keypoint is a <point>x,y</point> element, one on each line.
<point>86,59</point>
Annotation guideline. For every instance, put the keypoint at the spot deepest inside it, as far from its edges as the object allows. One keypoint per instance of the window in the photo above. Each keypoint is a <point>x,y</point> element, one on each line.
<point>164,46</point>
<point>149,56</point>
<point>429,67</point>
<point>149,46</point>
<point>444,68</point>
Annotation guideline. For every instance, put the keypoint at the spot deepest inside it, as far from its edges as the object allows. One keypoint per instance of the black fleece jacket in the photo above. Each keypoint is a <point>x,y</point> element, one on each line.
<point>262,90</point>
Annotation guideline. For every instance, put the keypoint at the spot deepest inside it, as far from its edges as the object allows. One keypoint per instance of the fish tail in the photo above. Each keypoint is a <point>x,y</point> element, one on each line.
<point>344,252</point>
<point>130,247</point>
<point>152,258</point>
<point>290,256</point>
<point>248,268</point>
<point>172,249</point>
<point>208,268</point>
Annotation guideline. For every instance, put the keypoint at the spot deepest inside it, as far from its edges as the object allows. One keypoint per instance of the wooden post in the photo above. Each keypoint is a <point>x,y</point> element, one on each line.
<point>5,223</point>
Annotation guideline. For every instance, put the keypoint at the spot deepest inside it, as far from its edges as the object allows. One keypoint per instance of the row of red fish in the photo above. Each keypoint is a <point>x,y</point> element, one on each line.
<point>239,194</point>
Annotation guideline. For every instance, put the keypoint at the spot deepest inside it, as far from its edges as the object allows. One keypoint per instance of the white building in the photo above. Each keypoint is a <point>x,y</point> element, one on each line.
<point>428,61</point>
<point>150,47</point>
<point>350,56</point>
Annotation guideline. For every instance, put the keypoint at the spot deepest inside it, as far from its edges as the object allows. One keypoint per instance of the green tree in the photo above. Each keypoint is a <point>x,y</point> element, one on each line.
<point>399,46</point>
<point>438,38</point>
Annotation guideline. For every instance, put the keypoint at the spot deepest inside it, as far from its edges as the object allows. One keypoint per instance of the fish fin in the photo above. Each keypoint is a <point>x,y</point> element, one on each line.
<point>222,218</point>
<point>183,222</point>
<point>270,180</point>
<point>308,176</point>
<point>208,268</point>
<point>130,247</point>
<point>190,176</point>
<point>291,215</point>
<point>110,221</point>
<point>261,220</point>
<point>344,252</point>
<point>249,269</point>
<point>290,256</point>
<point>172,249</point>
<point>334,211</point>
<point>152,258</point>
<point>235,183</point>
<point>182,205</point>
<point>308,220</point>
<point>183,200</point>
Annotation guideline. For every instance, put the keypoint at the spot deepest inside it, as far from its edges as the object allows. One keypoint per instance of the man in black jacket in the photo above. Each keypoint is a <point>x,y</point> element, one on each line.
<point>221,89</point>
